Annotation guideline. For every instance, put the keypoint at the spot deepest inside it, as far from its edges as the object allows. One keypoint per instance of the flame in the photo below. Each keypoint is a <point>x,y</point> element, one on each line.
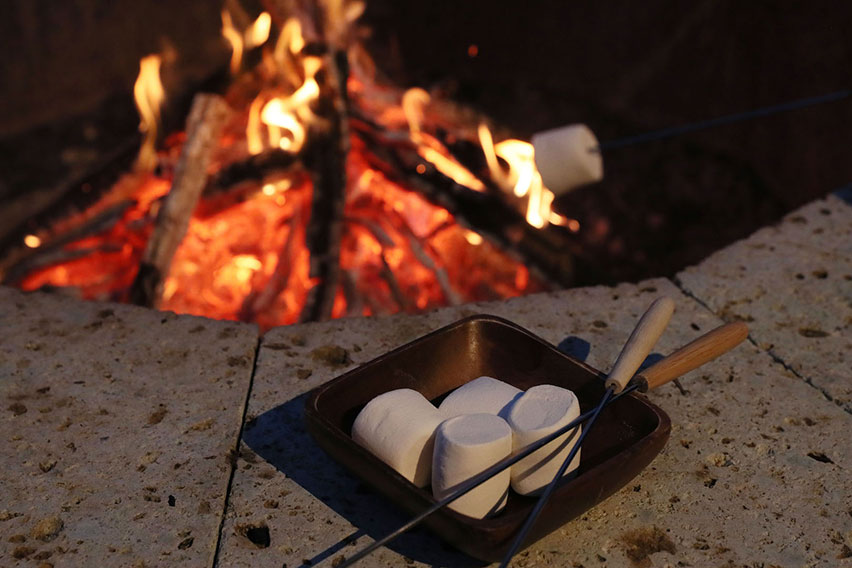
<point>354,11</point>
<point>289,44</point>
<point>148,94</point>
<point>254,140</point>
<point>299,100</point>
<point>275,115</point>
<point>292,112</point>
<point>244,255</point>
<point>522,178</point>
<point>414,102</point>
<point>235,38</point>
<point>473,238</point>
<point>258,32</point>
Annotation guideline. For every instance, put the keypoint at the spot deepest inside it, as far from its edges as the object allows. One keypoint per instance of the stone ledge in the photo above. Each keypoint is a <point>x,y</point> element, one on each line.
<point>792,283</point>
<point>117,424</point>
<point>755,471</point>
<point>745,433</point>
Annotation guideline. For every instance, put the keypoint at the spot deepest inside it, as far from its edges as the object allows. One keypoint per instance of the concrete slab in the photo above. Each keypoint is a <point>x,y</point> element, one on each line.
<point>117,424</point>
<point>755,471</point>
<point>793,284</point>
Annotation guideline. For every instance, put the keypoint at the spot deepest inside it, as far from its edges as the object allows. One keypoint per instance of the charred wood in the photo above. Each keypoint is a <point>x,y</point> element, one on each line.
<point>75,197</point>
<point>255,168</point>
<point>548,252</point>
<point>326,159</point>
<point>424,253</point>
<point>53,252</point>
<point>258,302</point>
<point>205,122</point>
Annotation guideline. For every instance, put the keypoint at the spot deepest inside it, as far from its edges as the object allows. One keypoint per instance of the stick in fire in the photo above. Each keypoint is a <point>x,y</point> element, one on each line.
<point>325,156</point>
<point>204,124</point>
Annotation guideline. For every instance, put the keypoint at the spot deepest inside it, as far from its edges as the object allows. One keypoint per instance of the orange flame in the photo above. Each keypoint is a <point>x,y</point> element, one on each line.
<point>289,45</point>
<point>258,32</point>
<point>235,38</point>
<point>414,102</point>
<point>148,94</point>
<point>288,113</point>
<point>522,178</point>
<point>253,128</point>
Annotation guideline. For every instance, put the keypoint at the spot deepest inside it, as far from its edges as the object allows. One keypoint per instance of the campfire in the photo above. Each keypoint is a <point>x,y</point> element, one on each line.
<point>311,189</point>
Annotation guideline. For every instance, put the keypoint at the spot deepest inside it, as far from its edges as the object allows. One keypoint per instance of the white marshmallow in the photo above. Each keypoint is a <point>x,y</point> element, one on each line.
<point>567,157</point>
<point>541,410</point>
<point>484,395</point>
<point>464,447</point>
<point>398,427</point>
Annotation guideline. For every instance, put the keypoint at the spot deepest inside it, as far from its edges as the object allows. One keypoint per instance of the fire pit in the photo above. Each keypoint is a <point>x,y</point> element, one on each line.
<point>285,229</point>
<point>311,189</point>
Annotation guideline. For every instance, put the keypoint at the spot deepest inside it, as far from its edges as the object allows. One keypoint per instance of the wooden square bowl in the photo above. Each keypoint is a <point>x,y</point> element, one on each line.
<point>627,436</point>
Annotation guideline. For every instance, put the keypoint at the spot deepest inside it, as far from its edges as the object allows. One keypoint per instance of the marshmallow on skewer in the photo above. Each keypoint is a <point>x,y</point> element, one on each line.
<point>567,157</point>
<point>483,395</point>
<point>465,446</point>
<point>398,427</point>
<point>541,410</point>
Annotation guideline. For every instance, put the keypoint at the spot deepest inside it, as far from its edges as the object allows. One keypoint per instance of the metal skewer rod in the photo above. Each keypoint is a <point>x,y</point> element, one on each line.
<point>722,121</point>
<point>642,339</point>
<point>482,477</point>
<point>542,501</point>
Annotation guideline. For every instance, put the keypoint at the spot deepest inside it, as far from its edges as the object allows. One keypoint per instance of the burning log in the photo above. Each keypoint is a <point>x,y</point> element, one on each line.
<point>400,246</point>
<point>259,302</point>
<point>385,272</point>
<point>354,300</point>
<point>255,168</point>
<point>205,122</point>
<point>75,196</point>
<point>546,251</point>
<point>419,248</point>
<point>326,156</point>
<point>53,252</point>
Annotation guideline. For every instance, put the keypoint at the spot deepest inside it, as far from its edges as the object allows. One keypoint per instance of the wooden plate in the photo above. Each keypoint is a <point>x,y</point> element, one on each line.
<point>626,437</point>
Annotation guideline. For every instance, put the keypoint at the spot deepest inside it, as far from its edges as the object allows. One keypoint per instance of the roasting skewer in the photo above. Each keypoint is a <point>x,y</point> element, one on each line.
<point>689,357</point>
<point>638,346</point>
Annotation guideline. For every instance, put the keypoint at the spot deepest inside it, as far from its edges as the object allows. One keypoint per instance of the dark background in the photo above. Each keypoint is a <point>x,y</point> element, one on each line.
<point>620,67</point>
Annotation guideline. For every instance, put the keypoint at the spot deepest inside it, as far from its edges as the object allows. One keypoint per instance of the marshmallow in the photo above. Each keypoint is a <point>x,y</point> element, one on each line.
<point>541,410</point>
<point>484,395</point>
<point>464,447</point>
<point>398,427</point>
<point>567,157</point>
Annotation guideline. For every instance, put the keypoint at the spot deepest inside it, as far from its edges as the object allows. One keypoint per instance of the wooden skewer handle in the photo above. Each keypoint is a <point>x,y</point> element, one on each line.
<point>640,343</point>
<point>694,354</point>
